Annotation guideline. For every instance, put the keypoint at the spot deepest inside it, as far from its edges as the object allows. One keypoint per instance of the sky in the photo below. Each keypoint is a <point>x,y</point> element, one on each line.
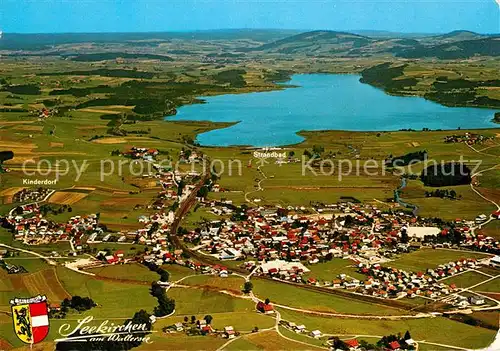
<point>409,16</point>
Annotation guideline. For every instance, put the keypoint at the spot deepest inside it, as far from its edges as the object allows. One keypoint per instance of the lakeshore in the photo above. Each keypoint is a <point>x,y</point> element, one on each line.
<point>322,102</point>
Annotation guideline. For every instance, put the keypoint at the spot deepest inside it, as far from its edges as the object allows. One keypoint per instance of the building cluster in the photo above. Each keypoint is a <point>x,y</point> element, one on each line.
<point>388,282</point>
<point>203,327</point>
<point>144,153</point>
<point>339,230</point>
<point>190,156</point>
<point>161,255</point>
<point>32,229</point>
<point>28,224</point>
<point>390,343</point>
<point>44,113</point>
<point>467,138</point>
<point>279,269</point>
<point>9,267</point>
<point>270,233</point>
<point>30,195</point>
<point>282,242</point>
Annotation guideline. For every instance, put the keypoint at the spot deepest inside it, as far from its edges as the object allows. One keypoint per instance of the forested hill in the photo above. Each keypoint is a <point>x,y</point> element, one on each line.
<point>453,45</point>
<point>457,50</point>
<point>321,41</point>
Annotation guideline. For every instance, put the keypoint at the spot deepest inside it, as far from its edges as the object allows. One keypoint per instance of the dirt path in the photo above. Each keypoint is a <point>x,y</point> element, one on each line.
<point>46,258</point>
<point>478,192</point>
<point>484,197</point>
<point>259,186</point>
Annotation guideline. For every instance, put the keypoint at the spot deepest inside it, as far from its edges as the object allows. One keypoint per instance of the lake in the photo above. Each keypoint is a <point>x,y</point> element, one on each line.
<point>322,101</point>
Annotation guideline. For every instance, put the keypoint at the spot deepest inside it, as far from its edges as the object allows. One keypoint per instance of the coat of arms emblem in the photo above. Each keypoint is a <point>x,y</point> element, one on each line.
<point>31,318</point>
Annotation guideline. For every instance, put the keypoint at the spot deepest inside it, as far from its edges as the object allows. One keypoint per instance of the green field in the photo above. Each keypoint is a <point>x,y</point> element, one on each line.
<point>113,298</point>
<point>177,272</point>
<point>438,330</point>
<point>266,340</point>
<point>231,283</point>
<point>31,263</point>
<point>196,217</point>
<point>491,286</point>
<point>331,269</point>
<point>241,344</point>
<point>468,206</point>
<point>11,286</point>
<point>203,301</point>
<point>225,310</point>
<point>425,258</point>
<point>182,342</point>
<point>465,280</point>
<point>133,271</point>
<point>291,296</point>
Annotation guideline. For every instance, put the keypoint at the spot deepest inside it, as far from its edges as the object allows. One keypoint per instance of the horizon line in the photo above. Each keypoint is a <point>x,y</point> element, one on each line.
<point>249,29</point>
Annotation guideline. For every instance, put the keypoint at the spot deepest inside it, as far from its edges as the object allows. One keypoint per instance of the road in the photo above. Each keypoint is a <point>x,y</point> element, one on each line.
<point>277,329</point>
<point>46,258</point>
<point>473,229</point>
<point>49,194</point>
<point>259,186</point>
<point>185,206</point>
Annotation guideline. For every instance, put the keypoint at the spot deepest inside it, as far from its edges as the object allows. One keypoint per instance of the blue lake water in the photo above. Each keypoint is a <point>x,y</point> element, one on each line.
<point>322,101</point>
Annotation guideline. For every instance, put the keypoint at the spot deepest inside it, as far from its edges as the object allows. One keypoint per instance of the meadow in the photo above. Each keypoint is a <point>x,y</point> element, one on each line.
<point>328,271</point>
<point>177,272</point>
<point>466,279</point>
<point>197,301</point>
<point>231,283</point>
<point>267,340</point>
<point>492,286</point>
<point>425,258</point>
<point>438,330</point>
<point>132,271</point>
<point>113,298</point>
<point>291,296</point>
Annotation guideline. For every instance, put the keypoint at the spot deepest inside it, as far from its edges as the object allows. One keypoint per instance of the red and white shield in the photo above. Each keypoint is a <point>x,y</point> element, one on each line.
<point>39,321</point>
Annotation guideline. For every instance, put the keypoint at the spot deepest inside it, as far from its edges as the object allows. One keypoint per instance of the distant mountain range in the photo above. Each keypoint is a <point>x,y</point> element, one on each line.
<point>454,45</point>
<point>41,41</point>
<point>457,49</point>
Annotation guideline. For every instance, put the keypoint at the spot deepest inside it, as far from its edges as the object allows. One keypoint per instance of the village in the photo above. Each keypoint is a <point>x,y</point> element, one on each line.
<point>281,243</point>
<point>335,230</point>
<point>468,138</point>
<point>29,225</point>
<point>284,244</point>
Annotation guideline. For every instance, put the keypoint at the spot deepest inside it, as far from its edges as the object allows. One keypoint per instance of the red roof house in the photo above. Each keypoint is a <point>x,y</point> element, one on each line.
<point>265,308</point>
<point>353,343</point>
<point>394,345</point>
